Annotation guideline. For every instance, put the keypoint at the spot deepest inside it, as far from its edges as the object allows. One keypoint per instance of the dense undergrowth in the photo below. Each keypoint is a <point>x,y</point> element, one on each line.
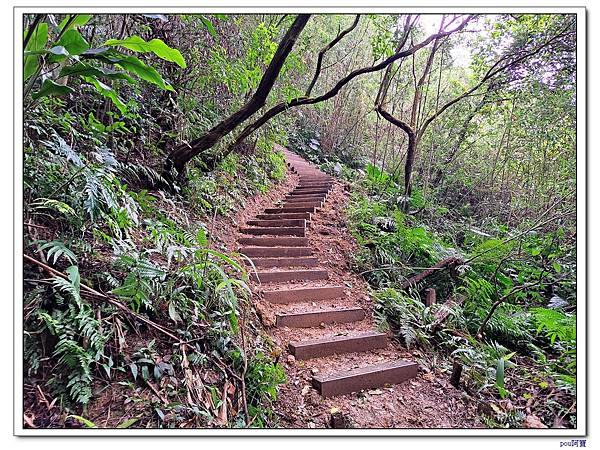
<point>149,250</point>
<point>133,317</point>
<point>519,361</point>
<point>128,306</point>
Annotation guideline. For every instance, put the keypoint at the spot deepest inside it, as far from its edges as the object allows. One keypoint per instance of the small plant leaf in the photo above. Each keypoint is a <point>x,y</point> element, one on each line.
<point>37,41</point>
<point>144,71</point>
<point>50,88</point>
<point>128,422</point>
<point>84,421</point>
<point>73,42</point>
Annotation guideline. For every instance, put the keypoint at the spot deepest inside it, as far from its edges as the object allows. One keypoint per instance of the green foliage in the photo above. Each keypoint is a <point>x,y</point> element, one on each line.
<point>486,364</point>
<point>49,87</point>
<point>156,46</point>
<point>519,338</point>
<point>556,325</point>
<point>80,343</point>
<point>235,177</point>
<point>305,139</point>
<point>262,380</point>
<point>69,48</point>
<point>148,365</point>
<point>58,249</point>
<point>142,285</point>
<point>390,243</point>
<point>96,137</point>
<point>89,186</point>
<point>89,424</point>
<point>407,315</point>
<point>39,37</point>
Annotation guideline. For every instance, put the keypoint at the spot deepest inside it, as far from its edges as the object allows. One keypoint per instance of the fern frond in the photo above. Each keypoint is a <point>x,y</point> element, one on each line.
<point>141,173</point>
<point>54,205</point>
<point>58,249</point>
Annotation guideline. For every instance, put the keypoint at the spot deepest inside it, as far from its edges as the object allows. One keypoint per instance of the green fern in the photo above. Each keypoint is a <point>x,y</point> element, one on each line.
<point>556,325</point>
<point>55,205</point>
<point>406,314</point>
<point>76,324</point>
<point>142,285</point>
<point>58,249</point>
<point>142,173</point>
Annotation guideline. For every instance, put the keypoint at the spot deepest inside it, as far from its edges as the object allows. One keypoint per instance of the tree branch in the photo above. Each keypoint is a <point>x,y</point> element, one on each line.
<point>494,70</point>
<point>283,106</point>
<point>183,153</point>
<point>325,49</point>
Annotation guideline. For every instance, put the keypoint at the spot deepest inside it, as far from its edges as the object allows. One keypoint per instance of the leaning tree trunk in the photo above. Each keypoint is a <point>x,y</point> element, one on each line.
<point>284,106</point>
<point>182,154</point>
<point>412,146</point>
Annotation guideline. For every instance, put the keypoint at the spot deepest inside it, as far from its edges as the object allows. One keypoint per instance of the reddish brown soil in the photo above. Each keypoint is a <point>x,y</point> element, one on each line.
<point>427,401</point>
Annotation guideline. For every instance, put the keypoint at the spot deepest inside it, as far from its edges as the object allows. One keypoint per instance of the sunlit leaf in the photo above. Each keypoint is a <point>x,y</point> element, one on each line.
<point>79,21</point>
<point>73,42</point>
<point>209,26</point>
<point>142,70</point>
<point>156,46</point>
<point>83,420</point>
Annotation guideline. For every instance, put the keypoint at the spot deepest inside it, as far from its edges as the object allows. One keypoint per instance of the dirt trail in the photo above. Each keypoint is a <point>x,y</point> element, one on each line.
<point>426,400</point>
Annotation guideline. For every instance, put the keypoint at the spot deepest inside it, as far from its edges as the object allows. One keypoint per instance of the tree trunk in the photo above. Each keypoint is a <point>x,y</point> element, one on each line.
<point>412,145</point>
<point>182,154</point>
<point>281,107</point>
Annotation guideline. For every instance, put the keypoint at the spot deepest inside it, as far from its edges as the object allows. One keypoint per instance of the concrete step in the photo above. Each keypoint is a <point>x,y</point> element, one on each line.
<point>277,231</point>
<point>283,276</point>
<point>298,261</point>
<point>278,223</point>
<point>331,345</point>
<point>282,216</point>
<point>317,317</point>
<point>274,241</point>
<point>370,377</point>
<point>291,209</point>
<point>299,295</point>
<point>275,252</point>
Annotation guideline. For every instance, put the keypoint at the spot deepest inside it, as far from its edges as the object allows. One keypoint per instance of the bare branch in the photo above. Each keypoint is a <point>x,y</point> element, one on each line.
<point>325,49</point>
<point>280,107</point>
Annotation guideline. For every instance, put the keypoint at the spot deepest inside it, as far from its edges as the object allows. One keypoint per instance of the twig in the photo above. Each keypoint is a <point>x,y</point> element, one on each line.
<point>243,380</point>
<point>106,297</point>
<point>208,244</point>
<point>35,226</point>
<point>66,183</point>
<point>156,392</point>
<point>502,299</point>
<point>538,224</point>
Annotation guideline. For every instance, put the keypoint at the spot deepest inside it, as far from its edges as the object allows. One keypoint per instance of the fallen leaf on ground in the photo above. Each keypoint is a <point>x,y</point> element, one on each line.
<point>429,376</point>
<point>533,422</point>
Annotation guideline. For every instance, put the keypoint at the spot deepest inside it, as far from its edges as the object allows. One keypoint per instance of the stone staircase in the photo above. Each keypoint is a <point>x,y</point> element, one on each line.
<point>277,243</point>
